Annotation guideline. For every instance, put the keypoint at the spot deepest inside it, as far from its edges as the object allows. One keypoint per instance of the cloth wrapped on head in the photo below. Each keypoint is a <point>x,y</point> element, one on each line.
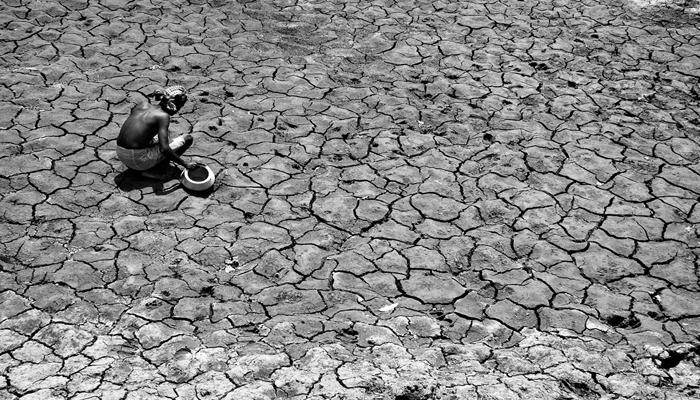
<point>172,97</point>
<point>173,91</point>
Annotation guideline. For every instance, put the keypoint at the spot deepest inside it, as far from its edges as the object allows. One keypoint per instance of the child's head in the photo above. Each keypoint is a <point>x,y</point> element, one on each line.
<point>171,99</point>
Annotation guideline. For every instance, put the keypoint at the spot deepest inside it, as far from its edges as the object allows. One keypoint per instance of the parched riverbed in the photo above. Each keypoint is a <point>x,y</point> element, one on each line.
<point>414,200</point>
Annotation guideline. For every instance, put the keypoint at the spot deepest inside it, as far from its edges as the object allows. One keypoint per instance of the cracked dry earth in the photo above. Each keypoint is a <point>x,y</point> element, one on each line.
<point>415,200</point>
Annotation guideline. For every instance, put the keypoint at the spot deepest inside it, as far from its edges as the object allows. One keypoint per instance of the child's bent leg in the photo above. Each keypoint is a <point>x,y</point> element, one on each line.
<point>181,143</point>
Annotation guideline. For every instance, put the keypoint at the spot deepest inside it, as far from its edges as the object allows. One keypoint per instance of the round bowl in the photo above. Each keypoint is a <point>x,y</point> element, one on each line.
<point>198,178</point>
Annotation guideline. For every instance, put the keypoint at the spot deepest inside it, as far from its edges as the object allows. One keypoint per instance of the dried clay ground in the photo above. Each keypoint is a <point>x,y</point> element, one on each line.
<point>415,200</point>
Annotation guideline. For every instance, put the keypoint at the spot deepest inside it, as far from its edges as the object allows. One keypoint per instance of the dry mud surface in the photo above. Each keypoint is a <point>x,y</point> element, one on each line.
<point>415,200</point>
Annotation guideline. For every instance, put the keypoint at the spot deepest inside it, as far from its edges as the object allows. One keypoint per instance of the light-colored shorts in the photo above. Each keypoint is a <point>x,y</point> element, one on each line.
<point>149,157</point>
